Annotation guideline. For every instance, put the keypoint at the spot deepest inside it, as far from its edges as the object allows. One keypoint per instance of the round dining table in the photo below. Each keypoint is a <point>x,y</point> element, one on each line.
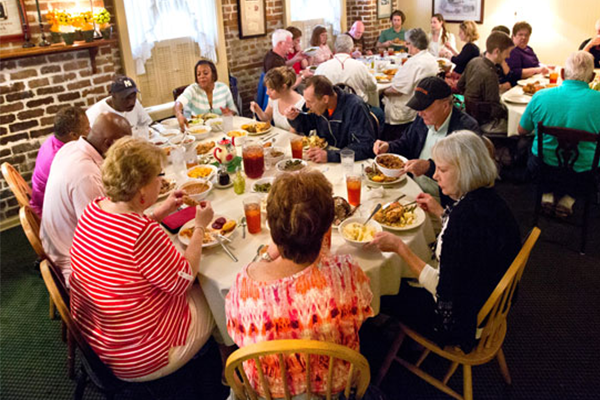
<point>385,270</point>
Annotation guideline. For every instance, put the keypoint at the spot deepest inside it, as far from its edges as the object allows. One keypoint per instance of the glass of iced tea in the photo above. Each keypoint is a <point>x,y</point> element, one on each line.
<point>252,212</point>
<point>296,143</point>
<point>553,77</point>
<point>353,183</point>
<point>253,157</point>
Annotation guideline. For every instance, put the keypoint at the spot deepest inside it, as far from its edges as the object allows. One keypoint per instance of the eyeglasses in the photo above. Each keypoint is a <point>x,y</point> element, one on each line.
<point>161,174</point>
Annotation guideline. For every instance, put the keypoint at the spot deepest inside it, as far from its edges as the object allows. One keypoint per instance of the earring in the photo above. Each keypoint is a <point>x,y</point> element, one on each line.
<point>142,200</point>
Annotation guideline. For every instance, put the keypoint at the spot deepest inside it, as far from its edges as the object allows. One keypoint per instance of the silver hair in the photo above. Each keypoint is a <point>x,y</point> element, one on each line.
<point>579,66</point>
<point>281,35</point>
<point>467,152</point>
<point>344,44</point>
<point>418,38</point>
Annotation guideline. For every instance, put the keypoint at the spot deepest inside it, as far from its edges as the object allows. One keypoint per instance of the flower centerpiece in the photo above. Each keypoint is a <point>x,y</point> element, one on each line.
<point>84,22</point>
<point>64,26</point>
<point>52,18</point>
<point>102,18</point>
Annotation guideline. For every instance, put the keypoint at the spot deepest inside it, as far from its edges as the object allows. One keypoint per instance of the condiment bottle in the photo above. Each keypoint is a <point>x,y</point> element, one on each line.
<point>239,182</point>
<point>223,176</point>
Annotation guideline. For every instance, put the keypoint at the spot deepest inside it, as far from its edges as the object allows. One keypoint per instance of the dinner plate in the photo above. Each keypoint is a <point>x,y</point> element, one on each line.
<point>165,194</point>
<point>311,51</point>
<point>170,123</point>
<point>401,178</point>
<point>190,224</point>
<point>419,219</point>
<point>541,81</point>
<point>517,98</point>
<point>261,132</point>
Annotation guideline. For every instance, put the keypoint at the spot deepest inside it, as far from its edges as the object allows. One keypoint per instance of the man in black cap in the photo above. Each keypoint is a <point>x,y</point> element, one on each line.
<point>436,119</point>
<point>123,101</point>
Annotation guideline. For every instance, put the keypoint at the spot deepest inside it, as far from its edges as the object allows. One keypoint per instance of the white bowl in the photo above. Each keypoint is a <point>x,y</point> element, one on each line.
<point>199,131</point>
<point>281,165</point>
<point>392,173</point>
<point>170,123</point>
<point>197,196</point>
<point>269,160</point>
<point>159,141</point>
<point>359,220</point>
<point>168,133</point>
<point>216,124</point>
<point>262,181</point>
<point>207,177</point>
<point>182,139</point>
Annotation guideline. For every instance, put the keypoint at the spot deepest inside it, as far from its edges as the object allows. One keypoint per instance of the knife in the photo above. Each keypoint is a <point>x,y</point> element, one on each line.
<point>224,246</point>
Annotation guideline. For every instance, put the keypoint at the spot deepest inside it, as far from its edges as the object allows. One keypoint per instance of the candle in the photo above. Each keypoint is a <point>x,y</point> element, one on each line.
<point>37,4</point>
<point>23,20</point>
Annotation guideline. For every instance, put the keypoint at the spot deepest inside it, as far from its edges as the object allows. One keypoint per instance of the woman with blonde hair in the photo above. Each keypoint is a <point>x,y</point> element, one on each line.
<point>478,242</point>
<point>298,289</point>
<point>132,292</point>
<point>279,82</point>
<point>439,36</point>
<point>319,39</point>
<point>467,33</point>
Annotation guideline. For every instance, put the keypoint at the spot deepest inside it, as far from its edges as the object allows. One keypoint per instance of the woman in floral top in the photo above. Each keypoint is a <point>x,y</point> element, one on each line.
<point>298,291</point>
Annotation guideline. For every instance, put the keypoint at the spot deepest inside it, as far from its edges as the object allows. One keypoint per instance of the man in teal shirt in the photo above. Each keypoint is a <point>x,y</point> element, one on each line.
<point>572,105</point>
<point>394,36</point>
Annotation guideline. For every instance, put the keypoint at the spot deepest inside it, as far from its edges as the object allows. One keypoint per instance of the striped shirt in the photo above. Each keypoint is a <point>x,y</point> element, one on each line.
<point>128,289</point>
<point>195,100</point>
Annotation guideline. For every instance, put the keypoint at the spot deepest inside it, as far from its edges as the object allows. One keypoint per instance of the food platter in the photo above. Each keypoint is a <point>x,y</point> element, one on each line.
<point>418,219</point>
<point>186,231</point>
<point>257,128</point>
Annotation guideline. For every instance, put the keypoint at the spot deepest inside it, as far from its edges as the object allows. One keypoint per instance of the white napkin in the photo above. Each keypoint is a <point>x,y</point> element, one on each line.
<point>375,193</point>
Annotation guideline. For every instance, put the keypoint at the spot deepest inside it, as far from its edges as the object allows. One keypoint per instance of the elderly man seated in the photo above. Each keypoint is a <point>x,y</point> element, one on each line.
<point>75,180</point>
<point>356,33</point>
<point>344,69</point>
<point>422,64</point>
<point>342,119</point>
<point>436,119</point>
<point>283,42</point>
<point>123,101</point>
<point>570,105</point>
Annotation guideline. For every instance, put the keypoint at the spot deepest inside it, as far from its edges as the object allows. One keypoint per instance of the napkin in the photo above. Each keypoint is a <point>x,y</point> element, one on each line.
<point>375,193</point>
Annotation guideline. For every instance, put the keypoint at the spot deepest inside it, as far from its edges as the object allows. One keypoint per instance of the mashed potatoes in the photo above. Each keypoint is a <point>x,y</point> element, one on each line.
<point>359,232</point>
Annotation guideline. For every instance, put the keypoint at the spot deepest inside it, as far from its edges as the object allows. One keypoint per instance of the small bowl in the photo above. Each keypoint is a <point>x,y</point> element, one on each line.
<point>281,165</point>
<point>216,124</point>
<point>207,177</point>
<point>159,141</point>
<point>170,123</point>
<point>237,133</point>
<point>168,133</point>
<point>360,220</point>
<point>269,159</point>
<point>199,131</point>
<point>392,173</point>
<point>196,196</point>
<point>182,139</point>
<point>262,181</point>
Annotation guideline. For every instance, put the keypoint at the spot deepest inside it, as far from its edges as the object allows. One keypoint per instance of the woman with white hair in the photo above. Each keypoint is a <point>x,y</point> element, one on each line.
<point>478,241</point>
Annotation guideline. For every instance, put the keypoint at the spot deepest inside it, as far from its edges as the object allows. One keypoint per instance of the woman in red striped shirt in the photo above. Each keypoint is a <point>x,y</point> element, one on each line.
<point>132,291</point>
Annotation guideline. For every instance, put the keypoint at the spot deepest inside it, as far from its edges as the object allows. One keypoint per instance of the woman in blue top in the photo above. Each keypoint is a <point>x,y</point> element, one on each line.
<point>205,96</point>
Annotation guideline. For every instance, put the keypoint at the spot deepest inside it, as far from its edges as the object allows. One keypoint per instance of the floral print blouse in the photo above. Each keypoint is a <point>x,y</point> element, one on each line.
<point>327,301</point>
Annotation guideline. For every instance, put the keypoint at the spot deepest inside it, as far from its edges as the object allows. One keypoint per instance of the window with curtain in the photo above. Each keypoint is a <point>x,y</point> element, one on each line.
<point>159,20</point>
<point>328,10</point>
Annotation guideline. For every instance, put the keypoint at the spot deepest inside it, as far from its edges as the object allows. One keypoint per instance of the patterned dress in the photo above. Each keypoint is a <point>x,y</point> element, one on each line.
<point>327,301</point>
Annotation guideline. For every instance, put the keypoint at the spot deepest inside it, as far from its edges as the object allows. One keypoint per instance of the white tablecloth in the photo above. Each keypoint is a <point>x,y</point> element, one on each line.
<point>218,271</point>
<point>515,111</point>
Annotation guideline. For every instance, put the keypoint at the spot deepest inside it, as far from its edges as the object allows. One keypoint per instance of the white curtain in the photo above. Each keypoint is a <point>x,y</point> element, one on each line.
<point>329,10</point>
<point>152,21</point>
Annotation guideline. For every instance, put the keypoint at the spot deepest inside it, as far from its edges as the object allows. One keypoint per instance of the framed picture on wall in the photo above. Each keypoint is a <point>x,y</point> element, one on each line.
<point>12,20</point>
<point>252,18</point>
<point>459,10</point>
<point>384,9</point>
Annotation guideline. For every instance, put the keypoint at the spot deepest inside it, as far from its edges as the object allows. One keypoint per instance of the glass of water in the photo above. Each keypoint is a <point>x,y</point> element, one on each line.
<point>347,157</point>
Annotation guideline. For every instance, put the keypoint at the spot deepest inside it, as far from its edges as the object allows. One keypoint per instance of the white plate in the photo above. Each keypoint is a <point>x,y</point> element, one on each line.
<point>419,215</point>
<point>170,123</point>
<point>517,98</point>
<point>209,176</point>
<point>311,51</point>
<point>209,229</point>
<point>281,164</point>
<point>160,196</point>
<point>261,182</point>
<point>401,178</point>
<point>541,81</point>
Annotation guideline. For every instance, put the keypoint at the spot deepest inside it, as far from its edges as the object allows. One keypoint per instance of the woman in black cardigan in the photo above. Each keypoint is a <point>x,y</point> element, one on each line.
<point>478,242</point>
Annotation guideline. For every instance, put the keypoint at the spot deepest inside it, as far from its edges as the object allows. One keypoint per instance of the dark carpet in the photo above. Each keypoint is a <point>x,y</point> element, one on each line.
<point>552,346</point>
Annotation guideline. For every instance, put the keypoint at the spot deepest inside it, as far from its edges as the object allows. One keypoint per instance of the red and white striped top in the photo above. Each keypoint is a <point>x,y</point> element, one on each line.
<point>128,290</point>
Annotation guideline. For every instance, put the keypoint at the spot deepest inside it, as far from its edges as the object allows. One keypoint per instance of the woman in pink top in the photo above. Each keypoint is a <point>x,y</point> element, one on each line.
<point>69,124</point>
<point>319,39</point>
<point>298,290</point>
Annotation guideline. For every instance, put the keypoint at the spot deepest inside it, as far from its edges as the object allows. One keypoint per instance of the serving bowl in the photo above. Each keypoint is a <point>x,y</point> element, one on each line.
<point>391,172</point>
<point>376,227</point>
<point>193,188</point>
<point>281,165</point>
<point>202,170</point>
<point>199,131</point>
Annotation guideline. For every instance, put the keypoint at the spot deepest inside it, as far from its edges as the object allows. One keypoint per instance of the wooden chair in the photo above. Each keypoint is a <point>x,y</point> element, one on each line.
<point>567,153</point>
<point>492,322</point>
<point>91,365</point>
<point>17,184</point>
<point>177,91</point>
<point>282,348</point>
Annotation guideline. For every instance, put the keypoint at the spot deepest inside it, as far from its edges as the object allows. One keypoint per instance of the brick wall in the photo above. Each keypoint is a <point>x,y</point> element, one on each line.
<point>33,89</point>
<point>366,11</point>
<point>245,56</point>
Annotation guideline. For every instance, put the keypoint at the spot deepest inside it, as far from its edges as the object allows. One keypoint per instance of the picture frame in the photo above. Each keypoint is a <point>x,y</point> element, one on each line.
<point>459,10</point>
<point>384,9</point>
<point>12,21</point>
<point>252,18</point>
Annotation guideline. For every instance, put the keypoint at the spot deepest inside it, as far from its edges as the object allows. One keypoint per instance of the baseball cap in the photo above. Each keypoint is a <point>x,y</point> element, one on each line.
<point>427,91</point>
<point>123,84</point>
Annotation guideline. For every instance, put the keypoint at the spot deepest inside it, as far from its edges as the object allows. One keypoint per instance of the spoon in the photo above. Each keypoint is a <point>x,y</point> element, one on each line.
<point>377,208</point>
<point>258,252</point>
<point>243,227</point>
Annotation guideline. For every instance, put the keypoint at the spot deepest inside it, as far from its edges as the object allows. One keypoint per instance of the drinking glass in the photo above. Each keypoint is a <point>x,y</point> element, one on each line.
<point>553,77</point>
<point>253,157</point>
<point>296,143</point>
<point>347,157</point>
<point>353,184</point>
<point>227,123</point>
<point>252,212</point>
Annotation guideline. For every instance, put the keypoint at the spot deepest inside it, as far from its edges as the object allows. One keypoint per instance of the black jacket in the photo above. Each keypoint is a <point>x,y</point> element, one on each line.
<point>412,141</point>
<point>349,127</point>
<point>479,243</point>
